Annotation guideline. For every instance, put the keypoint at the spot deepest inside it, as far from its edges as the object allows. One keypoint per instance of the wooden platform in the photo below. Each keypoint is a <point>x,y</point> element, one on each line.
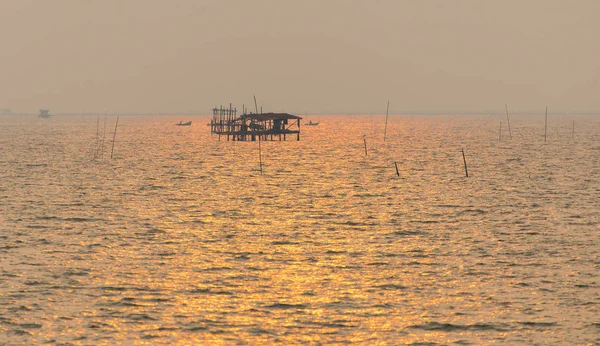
<point>252,127</point>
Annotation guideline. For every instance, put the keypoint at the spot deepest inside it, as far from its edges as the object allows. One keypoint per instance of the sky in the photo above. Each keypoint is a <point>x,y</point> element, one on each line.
<point>301,56</point>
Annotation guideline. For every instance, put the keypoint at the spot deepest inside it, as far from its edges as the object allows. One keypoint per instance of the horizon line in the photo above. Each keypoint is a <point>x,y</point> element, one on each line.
<point>189,113</point>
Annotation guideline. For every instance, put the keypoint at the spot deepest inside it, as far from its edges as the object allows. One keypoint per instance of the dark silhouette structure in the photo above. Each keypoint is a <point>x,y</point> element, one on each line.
<point>254,126</point>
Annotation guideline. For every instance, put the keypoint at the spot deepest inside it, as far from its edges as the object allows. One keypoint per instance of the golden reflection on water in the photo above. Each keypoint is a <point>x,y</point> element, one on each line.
<point>181,240</point>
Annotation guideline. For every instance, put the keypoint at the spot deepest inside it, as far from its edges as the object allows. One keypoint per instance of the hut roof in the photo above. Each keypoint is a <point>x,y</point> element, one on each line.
<point>270,116</point>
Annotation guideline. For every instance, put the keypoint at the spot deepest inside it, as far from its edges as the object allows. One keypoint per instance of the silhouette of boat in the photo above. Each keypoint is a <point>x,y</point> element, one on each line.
<point>45,113</point>
<point>310,123</point>
<point>189,123</point>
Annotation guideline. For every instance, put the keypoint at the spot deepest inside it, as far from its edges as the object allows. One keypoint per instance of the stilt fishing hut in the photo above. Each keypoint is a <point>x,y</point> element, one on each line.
<point>254,126</point>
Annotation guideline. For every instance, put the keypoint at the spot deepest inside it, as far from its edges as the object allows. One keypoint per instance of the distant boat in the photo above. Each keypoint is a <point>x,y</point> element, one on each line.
<point>310,123</point>
<point>45,113</point>
<point>189,123</point>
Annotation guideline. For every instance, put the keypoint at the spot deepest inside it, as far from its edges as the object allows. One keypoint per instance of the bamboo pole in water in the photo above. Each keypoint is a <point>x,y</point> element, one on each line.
<point>465,161</point>
<point>386,120</point>
<point>397,173</point>
<point>508,121</point>
<point>114,137</point>
<point>500,133</point>
<point>546,124</point>
<point>97,137</point>
<point>365,140</point>
<point>103,138</point>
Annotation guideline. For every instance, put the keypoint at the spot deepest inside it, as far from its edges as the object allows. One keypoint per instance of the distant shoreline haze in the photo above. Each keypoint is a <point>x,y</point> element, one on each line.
<point>401,113</point>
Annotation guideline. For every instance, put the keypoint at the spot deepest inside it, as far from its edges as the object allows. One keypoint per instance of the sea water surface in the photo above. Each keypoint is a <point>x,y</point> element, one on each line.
<point>179,238</point>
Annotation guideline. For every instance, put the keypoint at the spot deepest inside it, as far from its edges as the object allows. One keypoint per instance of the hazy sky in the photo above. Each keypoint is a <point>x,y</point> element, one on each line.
<point>314,56</point>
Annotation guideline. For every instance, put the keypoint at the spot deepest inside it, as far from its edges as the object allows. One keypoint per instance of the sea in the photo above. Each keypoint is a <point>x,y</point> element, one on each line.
<point>363,232</point>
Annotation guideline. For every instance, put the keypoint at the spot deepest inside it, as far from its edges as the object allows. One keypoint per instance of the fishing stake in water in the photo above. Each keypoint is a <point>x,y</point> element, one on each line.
<point>465,161</point>
<point>397,173</point>
<point>365,140</point>
<point>546,124</point>
<point>114,136</point>
<point>508,121</point>
<point>386,120</point>
<point>97,149</point>
<point>103,138</point>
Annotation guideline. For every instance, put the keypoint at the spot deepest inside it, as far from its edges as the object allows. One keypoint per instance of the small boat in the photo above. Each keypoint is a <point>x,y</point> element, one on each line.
<point>310,123</point>
<point>189,123</point>
<point>45,113</point>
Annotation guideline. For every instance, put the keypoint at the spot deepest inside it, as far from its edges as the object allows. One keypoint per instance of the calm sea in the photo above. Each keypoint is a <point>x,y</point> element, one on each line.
<point>179,239</point>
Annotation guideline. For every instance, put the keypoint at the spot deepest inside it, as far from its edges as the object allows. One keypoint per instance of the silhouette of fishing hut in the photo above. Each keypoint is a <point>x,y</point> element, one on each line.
<point>254,126</point>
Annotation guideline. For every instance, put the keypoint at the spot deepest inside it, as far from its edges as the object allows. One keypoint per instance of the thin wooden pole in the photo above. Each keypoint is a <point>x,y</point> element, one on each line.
<point>386,120</point>
<point>372,125</point>
<point>508,120</point>
<point>97,137</point>
<point>114,137</point>
<point>103,137</point>
<point>500,133</point>
<point>465,161</point>
<point>365,140</point>
<point>397,172</point>
<point>546,124</point>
